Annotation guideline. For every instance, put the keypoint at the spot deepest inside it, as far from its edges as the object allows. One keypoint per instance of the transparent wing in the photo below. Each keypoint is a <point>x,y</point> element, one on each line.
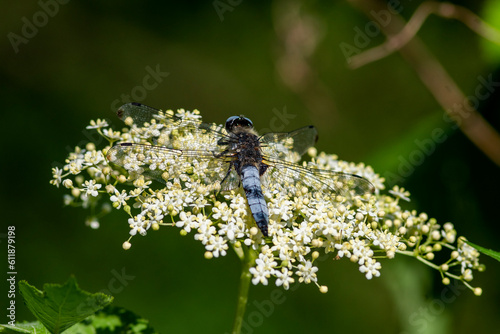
<point>139,113</point>
<point>289,146</point>
<point>188,122</point>
<point>164,164</point>
<point>327,182</point>
<point>282,150</point>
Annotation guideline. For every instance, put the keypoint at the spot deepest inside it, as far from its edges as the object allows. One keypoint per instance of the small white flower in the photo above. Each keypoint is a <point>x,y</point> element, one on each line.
<point>239,206</point>
<point>93,158</point>
<point>205,231</point>
<point>90,188</point>
<point>115,135</point>
<point>266,261</point>
<point>282,209</point>
<point>56,174</point>
<point>76,166</point>
<point>142,184</point>
<point>97,124</point>
<point>217,245</point>
<point>187,221</point>
<point>307,272</point>
<point>156,216</point>
<point>153,130</point>
<point>303,234</point>
<point>260,275</point>
<point>234,229</point>
<point>188,115</point>
<point>468,256</point>
<point>400,193</point>
<point>198,204</point>
<point>371,268</point>
<point>284,278</point>
<point>138,224</point>
<point>222,212</point>
<point>343,249</point>
<point>119,199</point>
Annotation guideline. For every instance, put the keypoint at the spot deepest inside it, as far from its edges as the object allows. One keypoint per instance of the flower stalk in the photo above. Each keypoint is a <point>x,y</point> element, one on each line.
<point>247,261</point>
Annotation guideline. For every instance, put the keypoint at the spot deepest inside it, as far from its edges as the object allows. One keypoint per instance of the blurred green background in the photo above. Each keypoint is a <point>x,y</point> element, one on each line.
<point>262,59</point>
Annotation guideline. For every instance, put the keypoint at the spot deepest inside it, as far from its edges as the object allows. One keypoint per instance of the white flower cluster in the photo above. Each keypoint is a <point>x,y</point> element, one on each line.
<point>303,222</point>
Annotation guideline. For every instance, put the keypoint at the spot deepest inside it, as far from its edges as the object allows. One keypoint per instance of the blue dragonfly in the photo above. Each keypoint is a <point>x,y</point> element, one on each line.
<point>233,157</point>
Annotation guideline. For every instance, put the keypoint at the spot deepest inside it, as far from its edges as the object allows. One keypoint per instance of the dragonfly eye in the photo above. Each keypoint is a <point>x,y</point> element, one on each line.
<point>234,122</point>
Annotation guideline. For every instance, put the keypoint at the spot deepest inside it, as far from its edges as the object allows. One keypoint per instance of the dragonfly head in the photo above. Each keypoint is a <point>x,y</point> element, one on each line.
<point>236,123</point>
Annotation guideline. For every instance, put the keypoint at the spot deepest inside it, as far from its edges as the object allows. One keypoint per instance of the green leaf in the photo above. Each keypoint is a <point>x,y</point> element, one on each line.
<point>59,307</point>
<point>26,327</point>
<point>485,251</point>
<point>112,320</point>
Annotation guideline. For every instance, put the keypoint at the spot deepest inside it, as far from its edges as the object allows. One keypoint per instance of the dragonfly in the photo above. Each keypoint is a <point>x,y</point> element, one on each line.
<point>231,157</point>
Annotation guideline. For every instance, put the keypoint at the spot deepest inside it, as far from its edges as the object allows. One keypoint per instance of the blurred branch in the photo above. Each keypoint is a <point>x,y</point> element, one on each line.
<point>299,34</point>
<point>445,10</point>
<point>439,83</point>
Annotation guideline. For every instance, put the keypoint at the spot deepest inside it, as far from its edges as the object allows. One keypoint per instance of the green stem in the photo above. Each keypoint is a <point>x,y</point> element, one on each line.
<point>247,260</point>
<point>432,265</point>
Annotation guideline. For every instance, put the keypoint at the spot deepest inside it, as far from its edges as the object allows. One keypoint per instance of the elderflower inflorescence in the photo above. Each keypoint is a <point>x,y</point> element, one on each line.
<point>302,222</point>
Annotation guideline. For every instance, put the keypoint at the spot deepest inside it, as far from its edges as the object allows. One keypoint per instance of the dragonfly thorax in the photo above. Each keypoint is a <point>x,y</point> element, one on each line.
<point>247,150</point>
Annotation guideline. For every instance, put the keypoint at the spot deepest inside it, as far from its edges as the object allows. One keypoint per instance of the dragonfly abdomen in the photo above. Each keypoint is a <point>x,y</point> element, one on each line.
<point>251,184</point>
